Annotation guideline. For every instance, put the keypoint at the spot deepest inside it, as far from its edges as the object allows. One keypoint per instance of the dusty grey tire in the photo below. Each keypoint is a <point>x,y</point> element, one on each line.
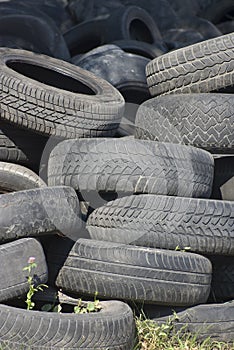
<point>110,328</point>
<point>39,211</point>
<point>13,258</point>
<point>215,321</point>
<point>53,97</point>
<point>202,67</point>
<point>135,273</point>
<point>204,225</point>
<point>126,166</point>
<point>200,120</point>
<point>15,177</point>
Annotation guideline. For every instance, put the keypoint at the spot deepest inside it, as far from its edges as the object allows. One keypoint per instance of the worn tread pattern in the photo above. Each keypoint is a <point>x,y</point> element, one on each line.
<point>202,67</point>
<point>135,273</point>
<point>215,321</point>
<point>110,328</point>
<point>39,211</point>
<point>131,166</point>
<point>13,258</point>
<point>9,151</point>
<point>200,120</point>
<point>204,225</point>
<point>48,110</point>
<point>18,178</point>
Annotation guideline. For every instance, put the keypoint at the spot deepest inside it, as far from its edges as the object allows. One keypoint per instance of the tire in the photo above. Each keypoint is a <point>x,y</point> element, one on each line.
<point>178,38</point>
<point>213,321</point>
<point>13,258</point>
<point>39,211</point>
<point>125,166</point>
<point>137,274</point>
<point>222,286</point>
<point>199,120</point>
<point>207,29</point>
<point>202,67</point>
<point>139,48</point>
<point>223,185</point>
<point>125,71</point>
<point>70,104</point>
<point>39,330</point>
<point>226,27</point>
<point>218,11</point>
<point>29,23</point>
<point>20,146</point>
<point>18,178</point>
<point>203,225</point>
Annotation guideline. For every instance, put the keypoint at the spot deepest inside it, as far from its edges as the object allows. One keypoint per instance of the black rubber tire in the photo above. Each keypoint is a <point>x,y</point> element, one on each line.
<point>206,28</point>
<point>203,225</point>
<point>135,273</point>
<point>139,48</point>
<point>179,37</point>
<point>202,67</point>
<point>222,285</point>
<point>39,211</point>
<point>218,11</point>
<point>226,27</point>
<point>126,166</point>
<point>125,71</point>
<point>223,185</point>
<point>13,258</point>
<point>201,120</point>
<point>39,29</point>
<point>15,177</point>
<point>53,97</point>
<point>215,321</point>
<point>37,330</point>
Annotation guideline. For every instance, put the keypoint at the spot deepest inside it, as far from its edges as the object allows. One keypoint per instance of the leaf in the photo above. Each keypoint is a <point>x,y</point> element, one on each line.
<point>90,307</point>
<point>57,308</point>
<point>47,307</point>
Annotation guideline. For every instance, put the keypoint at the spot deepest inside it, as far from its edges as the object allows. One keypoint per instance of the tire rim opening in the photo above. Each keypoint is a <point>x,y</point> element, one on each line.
<point>138,30</point>
<point>50,77</point>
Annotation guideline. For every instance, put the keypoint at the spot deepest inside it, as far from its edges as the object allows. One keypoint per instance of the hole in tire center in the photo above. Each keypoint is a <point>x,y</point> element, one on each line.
<point>139,31</point>
<point>50,77</point>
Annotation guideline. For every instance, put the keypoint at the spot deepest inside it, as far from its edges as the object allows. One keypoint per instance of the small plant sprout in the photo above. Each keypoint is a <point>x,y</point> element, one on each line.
<point>32,288</point>
<point>91,306</point>
<point>185,249</point>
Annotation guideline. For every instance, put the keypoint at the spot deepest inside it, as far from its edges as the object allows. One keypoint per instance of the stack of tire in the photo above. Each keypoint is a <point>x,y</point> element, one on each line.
<point>143,220</point>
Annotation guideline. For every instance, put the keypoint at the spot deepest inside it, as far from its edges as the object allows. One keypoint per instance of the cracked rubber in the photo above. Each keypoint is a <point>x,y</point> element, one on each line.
<point>200,120</point>
<point>202,67</point>
<point>13,258</point>
<point>136,273</point>
<point>110,328</point>
<point>39,211</point>
<point>126,166</point>
<point>215,321</point>
<point>203,225</point>
<point>53,97</point>
<point>15,177</point>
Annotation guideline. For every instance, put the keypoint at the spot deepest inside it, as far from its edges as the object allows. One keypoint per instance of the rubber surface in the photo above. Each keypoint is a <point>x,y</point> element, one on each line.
<point>39,211</point>
<point>127,166</point>
<point>223,185</point>
<point>17,178</point>
<point>13,258</point>
<point>36,330</point>
<point>203,225</point>
<point>53,97</point>
<point>135,273</point>
<point>202,67</point>
<point>200,120</point>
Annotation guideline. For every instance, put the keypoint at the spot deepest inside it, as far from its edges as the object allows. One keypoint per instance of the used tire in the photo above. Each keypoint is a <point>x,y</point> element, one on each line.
<point>201,120</point>
<point>126,166</point>
<point>139,48</point>
<point>15,177</point>
<point>223,185</point>
<point>202,67</point>
<point>215,321</point>
<point>135,273</point>
<point>53,97</point>
<point>13,258</point>
<point>50,330</point>
<point>39,211</point>
<point>203,225</point>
